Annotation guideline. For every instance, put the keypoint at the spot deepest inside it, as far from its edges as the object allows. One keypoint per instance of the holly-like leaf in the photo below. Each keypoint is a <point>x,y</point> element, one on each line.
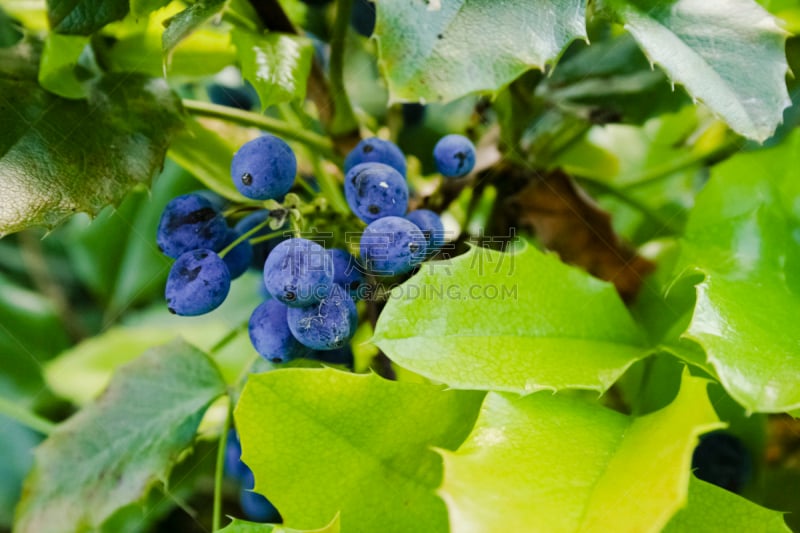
<point>322,442</point>
<point>276,64</point>
<point>60,156</point>
<point>179,26</point>
<point>242,526</point>
<point>714,509</point>
<point>109,454</point>
<point>566,464</point>
<point>711,49</point>
<point>84,17</point>
<point>744,236</point>
<point>57,68</point>
<point>441,50</point>
<point>518,323</point>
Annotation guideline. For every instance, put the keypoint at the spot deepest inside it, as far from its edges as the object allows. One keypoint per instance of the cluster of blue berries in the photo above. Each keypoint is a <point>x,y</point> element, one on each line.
<point>311,291</point>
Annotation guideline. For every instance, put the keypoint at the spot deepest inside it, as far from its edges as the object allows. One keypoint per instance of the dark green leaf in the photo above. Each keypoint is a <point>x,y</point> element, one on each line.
<point>178,27</point>
<point>60,156</point>
<point>84,17</point>
<point>711,49</point>
<point>110,453</point>
<point>241,526</point>
<point>445,49</point>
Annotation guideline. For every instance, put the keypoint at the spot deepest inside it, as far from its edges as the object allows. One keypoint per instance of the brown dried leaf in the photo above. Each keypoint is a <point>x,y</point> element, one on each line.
<point>567,221</point>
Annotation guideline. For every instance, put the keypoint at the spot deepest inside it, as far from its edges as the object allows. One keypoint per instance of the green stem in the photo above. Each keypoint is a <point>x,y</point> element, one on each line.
<point>320,144</point>
<point>219,471</point>
<point>343,118</point>
<point>267,237</point>
<point>25,417</point>
<point>329,185</point>
<point>605,188</point>
<point>224,341</point>
<point>677,164</point>
<point>243,237</point>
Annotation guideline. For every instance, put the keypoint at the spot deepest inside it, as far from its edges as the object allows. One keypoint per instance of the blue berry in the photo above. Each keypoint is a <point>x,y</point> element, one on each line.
<point>264,168</point>
<point>234,467</point>
<point>723,460</point>
<point>262,249</point>
<point>238,259</point>
<point>347,273</point>
<point>362,17</point>
<point>190,222</point>
<point>454,156</point>
<point>431,226</point>
<point>298,272</point>
<point>391,246</point>
<point>218,202</point>
<point>198,283</point>
<point>375,150</point>
<point>375,190</point>
<point>255,506</point>
<point>340,356</point>
<point>328,325</point>
<point>270,334</point>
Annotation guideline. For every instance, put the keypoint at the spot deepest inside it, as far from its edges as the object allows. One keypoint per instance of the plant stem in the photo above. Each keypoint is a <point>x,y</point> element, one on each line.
<point>268,236</point>
<point>343,118</point>
<point>224,341</point>
<point>675,165</point>
<point>243,237</point>
<point>320,144</point>
<point>219,471</point>
<point>329,185</point>
<point>605,188</point>
<point>26,417</point>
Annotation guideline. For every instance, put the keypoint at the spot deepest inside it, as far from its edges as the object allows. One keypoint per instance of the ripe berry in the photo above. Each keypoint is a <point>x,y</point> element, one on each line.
<point>328,325</point>
<point>723,460</point>
<point>190,222</point>
<point>264,168</point>
<point>270,334</point>
<point>347,272</point>
<point>298,272</point>
<point>431,226</point>
<point>454,156</point>
<point>375,150</point>
<point>198,283</point>
<point>391,246</point>
<point>375,190</point>
<point>255,506</point>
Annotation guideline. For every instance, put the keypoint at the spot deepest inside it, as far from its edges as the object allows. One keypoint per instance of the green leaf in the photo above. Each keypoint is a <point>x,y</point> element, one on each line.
<point>517,323</point>
<point>142,8</point>
<point>711,49</point>
<point>115,255</point>
<point>179,26</point>
<point>85,470</point>
<point>84,17</point>
<point>276,64</point>
<point>566,464</point>
<point>439,51</point>
<point>57,68</point>
<point>744,237</point>
<point>15,461</point>
<point>714,509</point>
<point>322,442</point>
<point>242,526</point>
<point>82,372</point>
<point>60,156</point>
<point>24,315</point>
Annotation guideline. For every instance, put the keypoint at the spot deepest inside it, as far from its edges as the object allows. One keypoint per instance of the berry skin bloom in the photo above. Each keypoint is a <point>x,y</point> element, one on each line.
<point>190,222</point>
<point>375,190</point>
<point>298,272</point>
<point>198,282</point>
<point>391,246</point>
<point>264,168</point>
<point>375,150</point>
